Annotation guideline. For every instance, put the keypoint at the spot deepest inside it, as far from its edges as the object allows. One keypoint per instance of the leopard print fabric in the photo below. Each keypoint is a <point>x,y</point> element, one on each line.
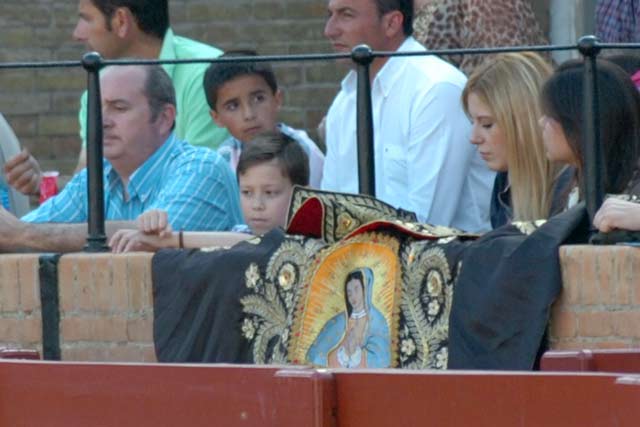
<point>458,24</point>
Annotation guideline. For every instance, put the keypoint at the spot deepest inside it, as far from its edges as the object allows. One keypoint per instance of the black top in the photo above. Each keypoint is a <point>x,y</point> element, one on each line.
<point>501,211</point>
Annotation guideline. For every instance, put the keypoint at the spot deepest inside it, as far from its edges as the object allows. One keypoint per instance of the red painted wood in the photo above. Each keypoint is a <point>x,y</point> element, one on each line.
<point>73,394</point>
<point>82,394</point>
<point>485,399</point>
<point>618,360</point>
<point>19,353</point>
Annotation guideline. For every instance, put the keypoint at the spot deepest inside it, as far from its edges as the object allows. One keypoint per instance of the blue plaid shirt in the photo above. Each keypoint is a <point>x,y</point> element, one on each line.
<point>194,185</point>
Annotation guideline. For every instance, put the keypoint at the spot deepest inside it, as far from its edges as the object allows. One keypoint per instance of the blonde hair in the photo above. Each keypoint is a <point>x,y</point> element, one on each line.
<point>510,86</point>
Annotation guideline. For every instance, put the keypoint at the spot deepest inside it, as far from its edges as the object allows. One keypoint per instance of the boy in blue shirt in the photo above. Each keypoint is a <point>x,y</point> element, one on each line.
<point>267,171</point>
<point>245,99</point>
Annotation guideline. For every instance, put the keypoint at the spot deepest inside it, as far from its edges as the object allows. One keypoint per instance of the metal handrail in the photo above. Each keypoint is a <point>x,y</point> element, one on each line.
<point>588,46</point>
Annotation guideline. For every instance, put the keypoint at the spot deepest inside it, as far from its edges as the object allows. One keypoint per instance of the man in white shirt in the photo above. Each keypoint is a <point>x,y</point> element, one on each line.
<point>423,159</point>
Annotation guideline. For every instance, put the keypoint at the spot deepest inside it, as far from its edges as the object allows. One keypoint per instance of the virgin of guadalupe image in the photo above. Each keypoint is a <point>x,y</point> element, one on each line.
<point>358,337</point>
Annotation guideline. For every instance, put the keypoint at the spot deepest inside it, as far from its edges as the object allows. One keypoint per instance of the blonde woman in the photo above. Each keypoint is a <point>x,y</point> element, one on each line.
<point>502,100</point>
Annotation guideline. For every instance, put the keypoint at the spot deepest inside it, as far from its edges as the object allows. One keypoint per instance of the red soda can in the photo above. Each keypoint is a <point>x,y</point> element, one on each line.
<point>48,185</point>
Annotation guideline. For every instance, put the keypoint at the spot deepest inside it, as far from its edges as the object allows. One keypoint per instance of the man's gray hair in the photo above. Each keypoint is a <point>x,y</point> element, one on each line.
<point>158,88</point>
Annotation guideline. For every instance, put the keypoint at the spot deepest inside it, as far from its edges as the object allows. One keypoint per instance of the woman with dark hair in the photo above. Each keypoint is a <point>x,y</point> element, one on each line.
<point>619,116</point>
<point>629,62</point>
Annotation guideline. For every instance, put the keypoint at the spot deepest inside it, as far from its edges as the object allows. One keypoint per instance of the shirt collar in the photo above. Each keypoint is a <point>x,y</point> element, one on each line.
<point>168,51</point>
<point>144,179</point>
<point>390,71</point>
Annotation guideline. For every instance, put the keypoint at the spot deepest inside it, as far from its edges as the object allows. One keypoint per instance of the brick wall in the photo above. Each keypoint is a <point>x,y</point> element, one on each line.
<point>105,300</point>
<point>42,105</point>
<point>600,303</point>
<point>106,311</point>
<point>20,316</point>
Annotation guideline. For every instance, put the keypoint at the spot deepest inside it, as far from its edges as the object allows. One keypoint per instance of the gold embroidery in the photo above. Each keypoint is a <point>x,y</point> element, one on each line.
<point>528,227</point>
<point>346,223</point>
<point>426,304</point>
<point>269,309</point>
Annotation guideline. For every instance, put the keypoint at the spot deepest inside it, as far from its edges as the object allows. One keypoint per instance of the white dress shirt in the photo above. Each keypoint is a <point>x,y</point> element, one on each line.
<point>424,161</point>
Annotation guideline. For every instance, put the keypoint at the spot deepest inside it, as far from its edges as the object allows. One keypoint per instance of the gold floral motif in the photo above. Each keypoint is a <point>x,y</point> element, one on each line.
<point>346,224</point>
<point>287,276</point>
<point>209,249</point>
<point>254,240</point>
<point>408,347</point>
<point>252,276</point>
<point>442,358</point>
<point>426,302</point>
<point>248,329</point>
<point>269,309</point>
<point>434,283</point>
<point>528,227</point>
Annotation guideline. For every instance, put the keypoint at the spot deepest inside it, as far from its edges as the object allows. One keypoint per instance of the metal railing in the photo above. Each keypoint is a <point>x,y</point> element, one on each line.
<point>588,46</point>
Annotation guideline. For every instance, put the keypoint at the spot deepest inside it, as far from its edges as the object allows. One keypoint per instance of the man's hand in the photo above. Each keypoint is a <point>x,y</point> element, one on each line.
<point>136,241</point>
<point>23,173</point>
<point>617,214</point>
<point>156,222</point>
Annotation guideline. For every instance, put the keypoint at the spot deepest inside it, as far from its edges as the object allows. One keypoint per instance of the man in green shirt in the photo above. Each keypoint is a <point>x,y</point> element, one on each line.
<point>136,29</point>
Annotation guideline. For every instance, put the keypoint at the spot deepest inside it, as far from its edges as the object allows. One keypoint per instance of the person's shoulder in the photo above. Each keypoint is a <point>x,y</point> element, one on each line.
<point>429,70</point>
<point>185,155</point>
<point>301,137</point>
<point>297,134</point>
<point>188,48</point>
<point>434,70</point>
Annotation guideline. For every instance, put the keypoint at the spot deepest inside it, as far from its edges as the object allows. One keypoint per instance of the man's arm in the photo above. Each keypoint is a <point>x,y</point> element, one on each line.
<point>19,236</point>
<point>135,240</point>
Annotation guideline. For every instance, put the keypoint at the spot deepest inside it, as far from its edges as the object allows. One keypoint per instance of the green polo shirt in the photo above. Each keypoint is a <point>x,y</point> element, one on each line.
<point>193,122</point>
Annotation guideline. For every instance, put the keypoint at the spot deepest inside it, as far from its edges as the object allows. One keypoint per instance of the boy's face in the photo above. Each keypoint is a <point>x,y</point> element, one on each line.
<point>265,194</point>
<point>246,106</point>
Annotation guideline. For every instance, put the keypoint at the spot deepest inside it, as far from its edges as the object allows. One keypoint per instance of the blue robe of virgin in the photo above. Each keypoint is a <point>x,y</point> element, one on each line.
<point>377,342</point>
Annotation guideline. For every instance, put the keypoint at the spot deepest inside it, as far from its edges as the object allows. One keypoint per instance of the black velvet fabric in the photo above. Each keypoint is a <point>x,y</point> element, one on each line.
<point>502,295</point>
<point>197,306</point>
<point>502,300</point>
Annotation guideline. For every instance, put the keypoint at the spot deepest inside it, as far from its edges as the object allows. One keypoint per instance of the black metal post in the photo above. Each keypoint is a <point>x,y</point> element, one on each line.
<point>594,166</point>
<point>97,239</point>
<point>363,57</point>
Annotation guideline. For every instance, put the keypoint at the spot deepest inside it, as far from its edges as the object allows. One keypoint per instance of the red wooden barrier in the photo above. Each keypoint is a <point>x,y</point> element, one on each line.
<point>620,360</point>
<point>75,394</point>
<point>486,399</point>
<point>82,394</point>
<point>19,353</point>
